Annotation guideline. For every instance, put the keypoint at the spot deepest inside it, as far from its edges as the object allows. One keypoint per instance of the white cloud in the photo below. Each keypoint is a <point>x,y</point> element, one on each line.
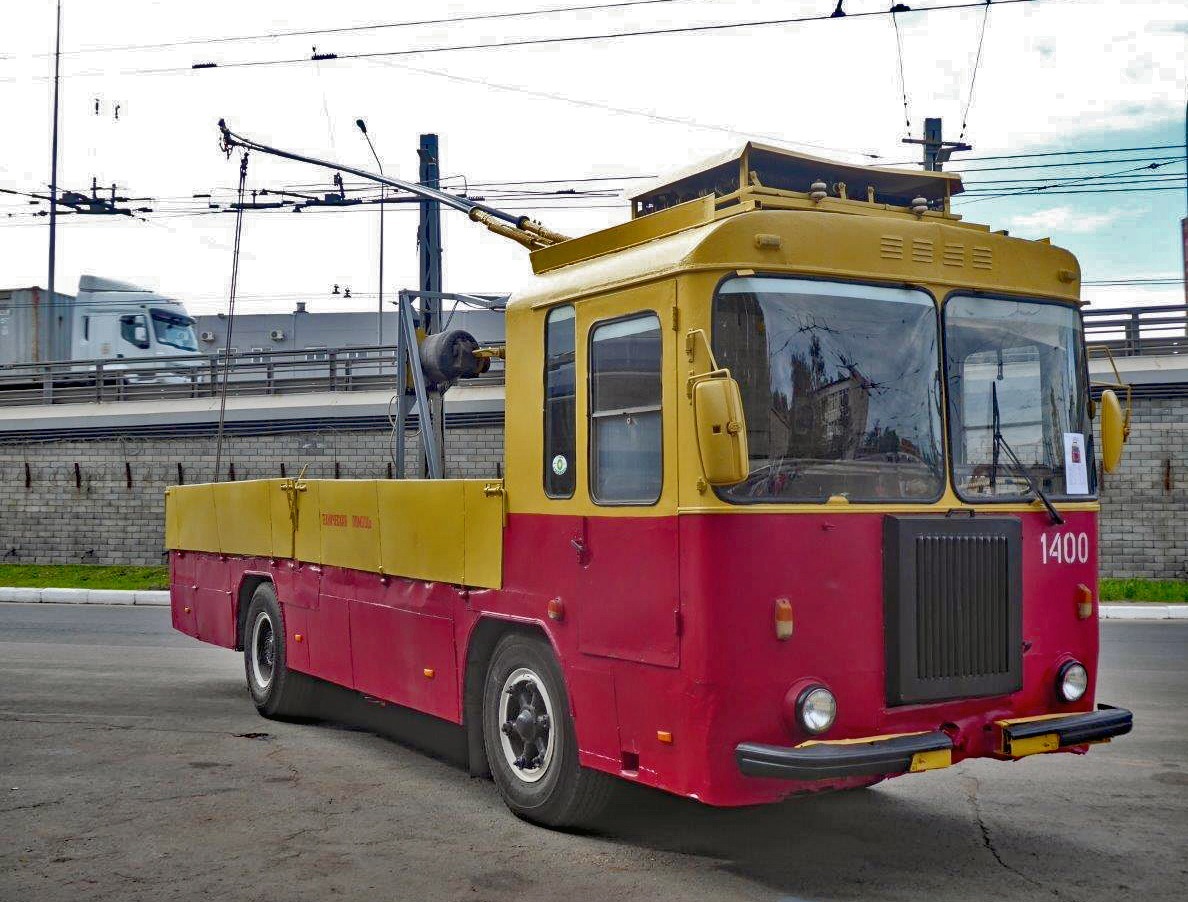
<point>1063,219</point>
<point>1050,74</point>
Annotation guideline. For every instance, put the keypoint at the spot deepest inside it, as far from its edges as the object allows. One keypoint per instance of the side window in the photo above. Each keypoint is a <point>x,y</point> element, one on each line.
<point>134,330</point>
<point>625,437</point>
<point>560,412</point>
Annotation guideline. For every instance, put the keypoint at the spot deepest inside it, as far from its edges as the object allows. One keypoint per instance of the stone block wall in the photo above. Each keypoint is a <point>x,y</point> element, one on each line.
<point>1144,506</point>
<point>102,501</point>
<point>110,510</point>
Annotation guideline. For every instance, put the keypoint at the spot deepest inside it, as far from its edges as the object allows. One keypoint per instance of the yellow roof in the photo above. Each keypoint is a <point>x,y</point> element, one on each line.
<point>816,240</point>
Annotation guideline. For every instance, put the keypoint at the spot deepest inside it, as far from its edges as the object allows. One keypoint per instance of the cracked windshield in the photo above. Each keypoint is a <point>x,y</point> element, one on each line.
<point>840,386</point>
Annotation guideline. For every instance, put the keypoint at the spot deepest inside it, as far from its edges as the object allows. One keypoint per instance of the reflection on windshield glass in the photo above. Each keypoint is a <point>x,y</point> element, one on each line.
<point>1015,379</point>
<point>840,388</point>
<point>174,330</point>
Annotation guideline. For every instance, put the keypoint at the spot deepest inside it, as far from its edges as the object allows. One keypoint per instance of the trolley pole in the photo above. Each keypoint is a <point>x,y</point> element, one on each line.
<point>53,210</point>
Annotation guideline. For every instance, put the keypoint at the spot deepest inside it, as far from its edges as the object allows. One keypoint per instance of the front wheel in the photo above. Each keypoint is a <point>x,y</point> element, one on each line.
<point>276,691</point>
<point>530,740</point>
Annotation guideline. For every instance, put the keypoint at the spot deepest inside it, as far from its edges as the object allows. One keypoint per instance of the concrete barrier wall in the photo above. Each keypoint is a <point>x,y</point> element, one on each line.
<point>102,502</point>
<point>94,516</point>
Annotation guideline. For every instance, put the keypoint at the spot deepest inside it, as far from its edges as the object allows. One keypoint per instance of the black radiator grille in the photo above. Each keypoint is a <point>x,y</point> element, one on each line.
<point>961,606</point>
<point>953,607</point>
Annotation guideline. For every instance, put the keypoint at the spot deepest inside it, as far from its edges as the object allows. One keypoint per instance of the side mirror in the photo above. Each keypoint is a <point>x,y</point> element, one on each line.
<point>1113,430</point>
<point>721,430</point>
<point>141,334</point>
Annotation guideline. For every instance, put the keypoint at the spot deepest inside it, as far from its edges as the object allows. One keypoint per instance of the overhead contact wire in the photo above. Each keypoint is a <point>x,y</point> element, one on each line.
<point>974,77</point>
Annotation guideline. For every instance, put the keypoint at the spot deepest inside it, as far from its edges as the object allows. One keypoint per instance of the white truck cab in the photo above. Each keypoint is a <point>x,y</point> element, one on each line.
<point>118,321</point>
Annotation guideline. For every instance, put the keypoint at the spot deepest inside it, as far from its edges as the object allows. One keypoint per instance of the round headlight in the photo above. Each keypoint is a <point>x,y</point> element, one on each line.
<point>1072,681</point>
<point>816,709</point>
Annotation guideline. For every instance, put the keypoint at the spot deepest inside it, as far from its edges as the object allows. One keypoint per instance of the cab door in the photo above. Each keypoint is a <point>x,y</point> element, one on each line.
<point>625,553</point>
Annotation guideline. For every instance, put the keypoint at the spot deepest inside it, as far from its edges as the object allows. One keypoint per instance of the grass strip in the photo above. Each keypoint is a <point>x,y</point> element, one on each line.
<point>83,576</point>
<point>1164,591</point>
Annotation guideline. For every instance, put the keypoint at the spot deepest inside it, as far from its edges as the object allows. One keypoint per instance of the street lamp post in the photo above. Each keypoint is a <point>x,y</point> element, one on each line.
<point>383,209</point>
<point>53,210</point>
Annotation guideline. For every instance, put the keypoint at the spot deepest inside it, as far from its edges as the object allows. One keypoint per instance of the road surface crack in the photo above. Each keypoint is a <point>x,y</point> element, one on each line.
<point>187,795</point>
<point>32,806</point>
<point>972,786</point>
<point>111,727</point>
<point>276,757</point>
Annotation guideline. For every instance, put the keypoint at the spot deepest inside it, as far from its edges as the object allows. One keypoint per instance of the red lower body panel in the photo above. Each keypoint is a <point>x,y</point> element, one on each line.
<point>667,638</point>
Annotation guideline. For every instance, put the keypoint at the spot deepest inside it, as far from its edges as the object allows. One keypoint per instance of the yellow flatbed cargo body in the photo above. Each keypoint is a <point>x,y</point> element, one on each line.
<point>444,530</point>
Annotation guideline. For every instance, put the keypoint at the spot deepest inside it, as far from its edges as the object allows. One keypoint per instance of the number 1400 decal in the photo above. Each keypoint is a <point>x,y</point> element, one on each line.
<point>1065,548</point>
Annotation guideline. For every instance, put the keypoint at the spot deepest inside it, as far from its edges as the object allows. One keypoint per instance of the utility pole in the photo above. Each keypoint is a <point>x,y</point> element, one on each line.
<point>936,150</point>
<point>53,210</point>
<point>429,251</point>
<point>1184,221</point>
<point>429,235</point>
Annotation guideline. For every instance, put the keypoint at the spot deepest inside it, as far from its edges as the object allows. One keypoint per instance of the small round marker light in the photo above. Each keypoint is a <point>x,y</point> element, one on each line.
<point>816,709</point>
<point>1072,681</point>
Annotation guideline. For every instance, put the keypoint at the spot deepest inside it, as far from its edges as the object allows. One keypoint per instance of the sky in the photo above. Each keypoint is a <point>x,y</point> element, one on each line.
<point>1054,75</point>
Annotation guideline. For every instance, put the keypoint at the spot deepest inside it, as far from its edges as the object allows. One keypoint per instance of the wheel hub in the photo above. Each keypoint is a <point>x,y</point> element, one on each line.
<point>263,650</point>
<point>526,725</point>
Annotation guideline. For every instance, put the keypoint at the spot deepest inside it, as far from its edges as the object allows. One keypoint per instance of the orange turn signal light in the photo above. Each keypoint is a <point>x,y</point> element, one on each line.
<point>429,673</point>
<point>664,736</point>
<point>783,618</point>
<point>297,637</point>
<point>1084,602</point>
<point>556,609</point>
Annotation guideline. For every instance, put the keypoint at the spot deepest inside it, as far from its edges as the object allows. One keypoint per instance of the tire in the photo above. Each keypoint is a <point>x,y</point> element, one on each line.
<point>547,786</point>
<point>277,692</point>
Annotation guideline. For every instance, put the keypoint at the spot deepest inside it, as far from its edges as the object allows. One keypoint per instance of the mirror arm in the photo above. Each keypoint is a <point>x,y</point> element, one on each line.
<point>704,377</point>
<point>693,339</point>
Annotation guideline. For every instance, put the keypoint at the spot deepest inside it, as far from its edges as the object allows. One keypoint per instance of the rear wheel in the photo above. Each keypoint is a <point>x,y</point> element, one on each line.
<point>530,740</point>
<point>276,691</point>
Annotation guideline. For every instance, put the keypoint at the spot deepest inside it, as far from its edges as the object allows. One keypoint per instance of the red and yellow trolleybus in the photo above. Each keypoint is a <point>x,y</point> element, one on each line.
<point>799,494</point>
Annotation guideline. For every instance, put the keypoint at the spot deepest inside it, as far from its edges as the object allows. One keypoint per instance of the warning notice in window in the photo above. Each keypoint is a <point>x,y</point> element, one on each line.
<point>1076,471</point>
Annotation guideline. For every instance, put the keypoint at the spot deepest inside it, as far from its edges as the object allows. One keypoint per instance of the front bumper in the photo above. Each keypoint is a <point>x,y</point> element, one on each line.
<point>1052,732</point>
<point>831,760</point>
<point>876,756</point>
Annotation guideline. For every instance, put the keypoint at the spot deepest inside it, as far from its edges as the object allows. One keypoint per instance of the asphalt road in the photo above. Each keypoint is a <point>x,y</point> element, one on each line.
<point>133,766</point>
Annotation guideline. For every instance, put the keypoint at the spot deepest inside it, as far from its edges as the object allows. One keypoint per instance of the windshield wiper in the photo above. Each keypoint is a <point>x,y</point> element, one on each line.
<point>1013,459</point>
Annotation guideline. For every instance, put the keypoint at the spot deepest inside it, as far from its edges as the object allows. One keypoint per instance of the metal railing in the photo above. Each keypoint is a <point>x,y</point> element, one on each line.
<point>346,369</point>
<point>1134,331</point>
<point>1127,332</point>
